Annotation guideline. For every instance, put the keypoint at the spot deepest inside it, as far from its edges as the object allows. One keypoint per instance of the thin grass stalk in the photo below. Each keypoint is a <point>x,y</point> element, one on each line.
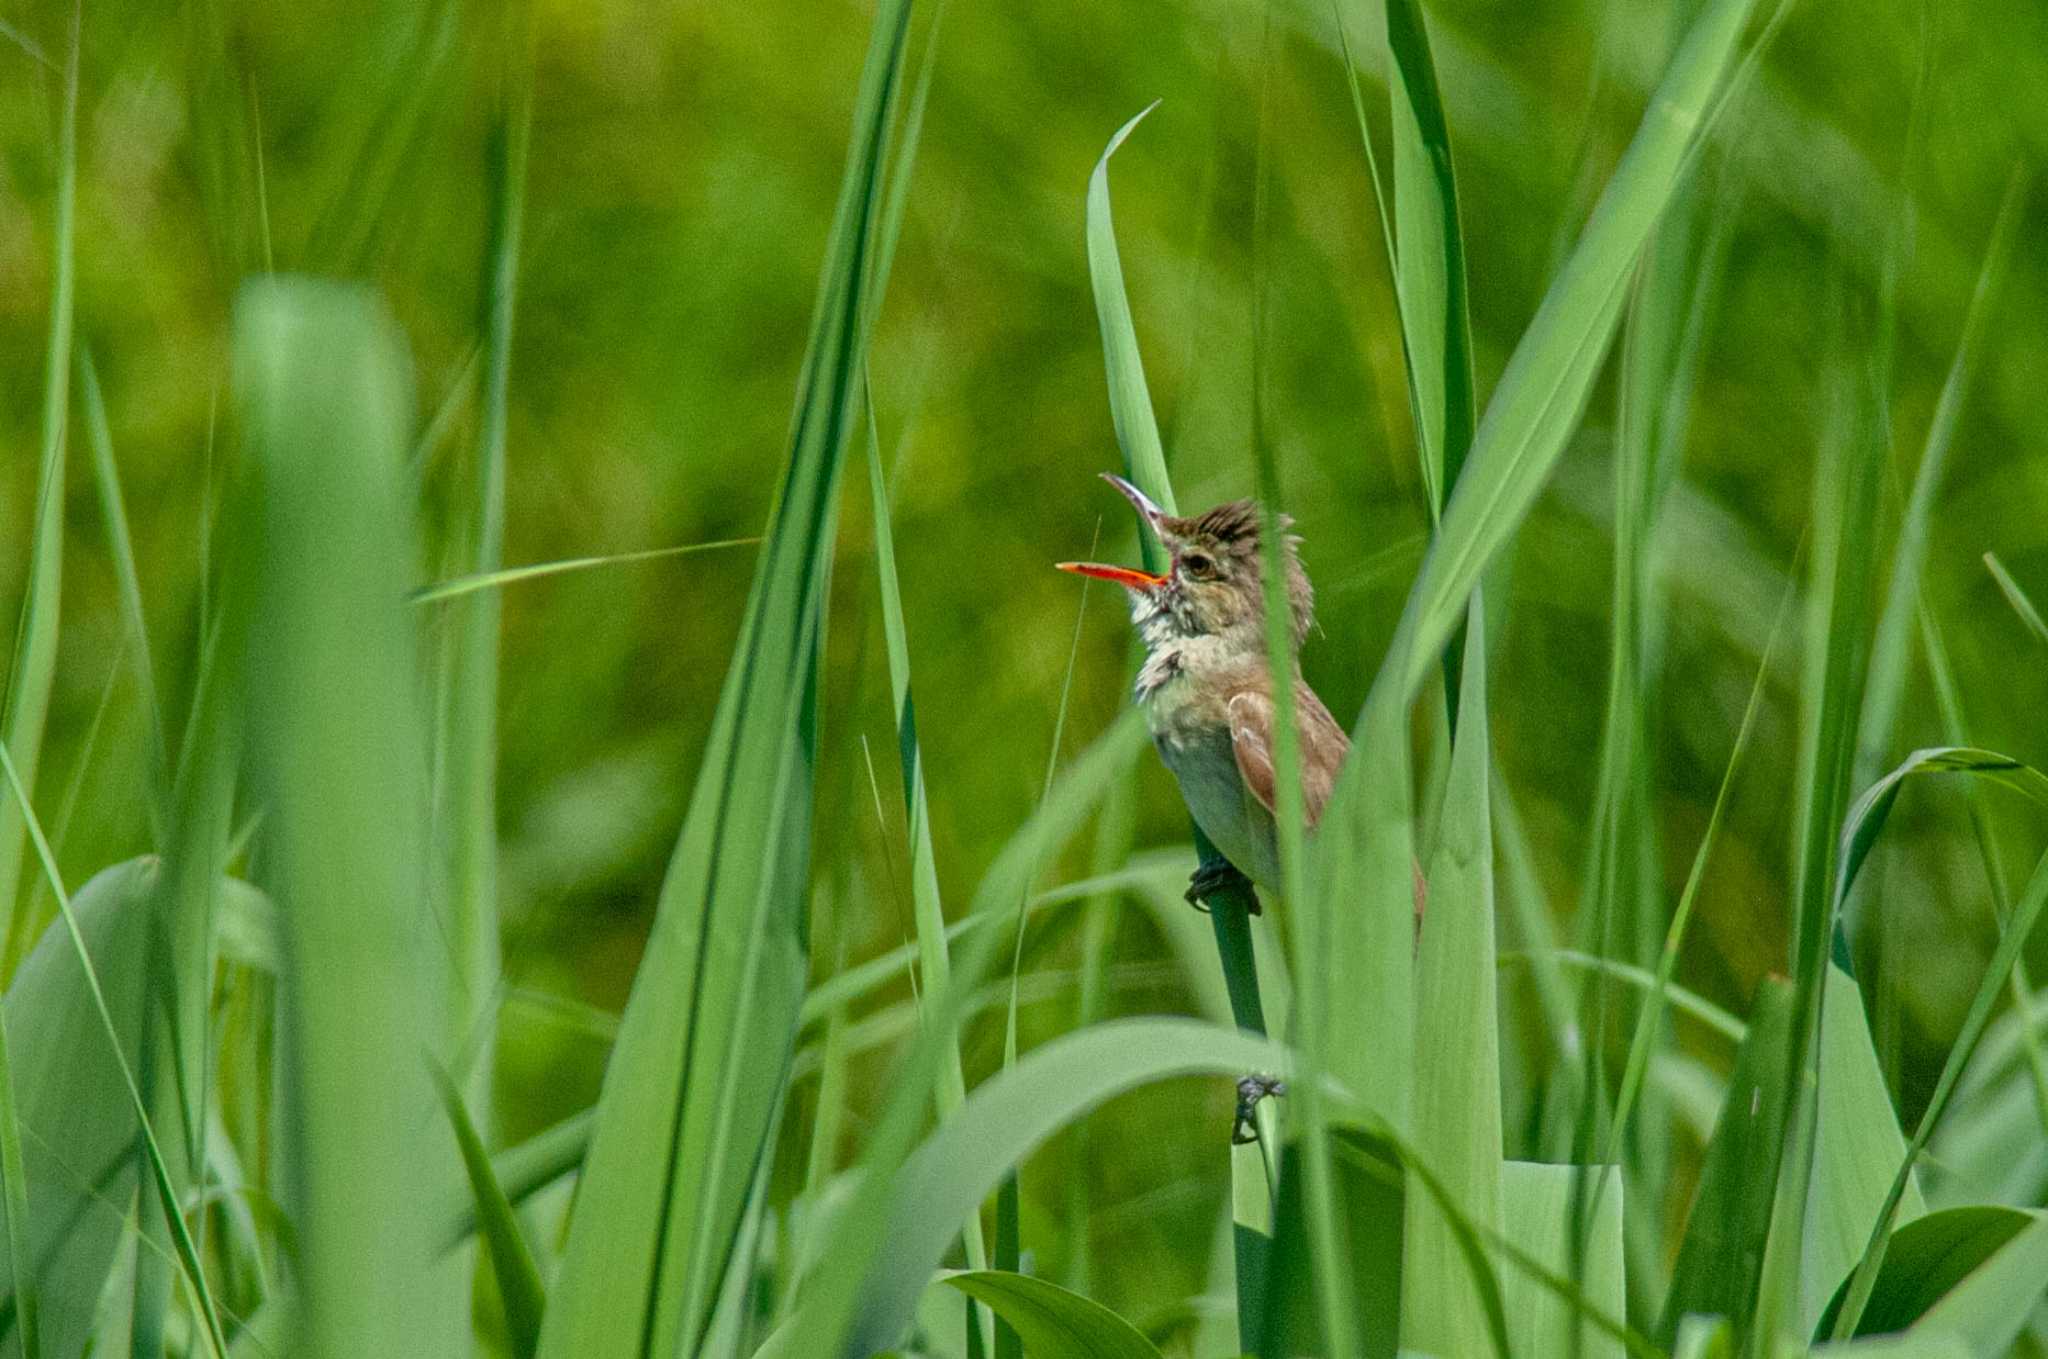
<point>469,816</point>
<point>1115,831</point>
<point>35,642</point>
<point>1649,1020</point>
<point>21,1265</point>
<point>120,543</point>
<point>928,912</point>
<point>2016,597</point>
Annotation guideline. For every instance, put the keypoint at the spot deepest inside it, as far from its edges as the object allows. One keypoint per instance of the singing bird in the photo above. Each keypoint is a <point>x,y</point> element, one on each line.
<point>1206,685</point>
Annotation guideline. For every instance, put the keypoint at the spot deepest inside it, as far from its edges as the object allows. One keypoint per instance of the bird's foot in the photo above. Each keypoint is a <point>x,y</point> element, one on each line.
<point>1250,1090</point>
<point>1214,877</point>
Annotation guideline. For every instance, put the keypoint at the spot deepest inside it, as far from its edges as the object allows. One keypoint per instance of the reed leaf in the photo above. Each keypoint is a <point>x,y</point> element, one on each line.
<point>329,660</point>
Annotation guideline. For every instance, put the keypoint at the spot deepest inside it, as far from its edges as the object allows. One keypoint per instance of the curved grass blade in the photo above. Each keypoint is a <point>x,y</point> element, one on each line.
<point>99,1010</point>
<point>1054,1322</point>
<point>1130,400</point>
<point>833,1299</point>
<point>1007,1116</point>
<point>1993,1304</point>
<point>700,1066</point>
<point>1926,1258</point>
<point>1144,459</point>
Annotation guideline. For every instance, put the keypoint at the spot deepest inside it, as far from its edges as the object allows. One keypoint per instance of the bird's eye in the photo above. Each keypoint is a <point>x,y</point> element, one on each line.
<point>1198,566</point>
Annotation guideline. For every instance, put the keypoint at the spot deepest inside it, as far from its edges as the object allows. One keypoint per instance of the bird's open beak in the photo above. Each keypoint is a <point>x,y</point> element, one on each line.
<point>1128,577</point>
<point>1150,512</point>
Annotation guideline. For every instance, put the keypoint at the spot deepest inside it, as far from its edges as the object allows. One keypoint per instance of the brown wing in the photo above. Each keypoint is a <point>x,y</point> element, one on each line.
<point>1323,746</point>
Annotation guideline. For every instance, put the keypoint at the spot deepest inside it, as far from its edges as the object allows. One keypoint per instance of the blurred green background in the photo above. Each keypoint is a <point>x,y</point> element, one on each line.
<point>684,161</point>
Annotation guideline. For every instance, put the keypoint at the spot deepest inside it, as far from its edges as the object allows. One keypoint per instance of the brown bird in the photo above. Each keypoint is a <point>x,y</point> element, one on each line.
<point>1206,686</point>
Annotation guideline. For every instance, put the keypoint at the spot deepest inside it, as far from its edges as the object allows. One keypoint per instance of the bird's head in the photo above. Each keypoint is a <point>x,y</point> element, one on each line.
<point>1212,585</point>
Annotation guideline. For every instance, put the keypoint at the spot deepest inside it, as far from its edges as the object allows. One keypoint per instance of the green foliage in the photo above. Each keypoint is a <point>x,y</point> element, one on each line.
<point>481,974</point>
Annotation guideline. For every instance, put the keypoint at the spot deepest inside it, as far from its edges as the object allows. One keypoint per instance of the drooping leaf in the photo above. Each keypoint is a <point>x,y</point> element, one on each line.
<point>1007,1116</point>
<point>76,1119</point>
<point>1989,1308</point>
<point>835,1304</point>
<point>1054,1322</point>
<point>1923,1260</point>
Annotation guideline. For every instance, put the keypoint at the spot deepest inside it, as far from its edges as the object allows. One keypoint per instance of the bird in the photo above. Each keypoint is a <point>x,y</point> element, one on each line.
<point>1206,684</point>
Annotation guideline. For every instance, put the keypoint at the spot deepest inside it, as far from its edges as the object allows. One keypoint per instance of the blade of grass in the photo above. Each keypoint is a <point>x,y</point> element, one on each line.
<point>35,640</point>
<point>1721,1253</point>
<point>468,814</point>
<point>513,575</point>
<point>832,1304</point>
<point>319,635</point>
<point>1542,1212</point>
<point>700,1066</point>
<point>1540,395</point>
<point>114,515</point>
<point>1690,1002</point>
<point>1649,1020</point>
<point>1429,260</point>
<point>1457,1043</point>
<point>511,1259</point>
<point>1890,648</point>
<point>928,912</point>
<point>21,1267</point>
<point>2016,597</point>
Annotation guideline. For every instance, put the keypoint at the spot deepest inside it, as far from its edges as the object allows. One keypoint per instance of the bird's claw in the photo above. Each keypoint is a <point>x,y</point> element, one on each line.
<point>1250,1090</point>
<point>1214,877</point>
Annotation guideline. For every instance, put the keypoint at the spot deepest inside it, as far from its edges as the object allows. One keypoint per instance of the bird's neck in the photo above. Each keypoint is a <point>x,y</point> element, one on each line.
<point>1187,665</point>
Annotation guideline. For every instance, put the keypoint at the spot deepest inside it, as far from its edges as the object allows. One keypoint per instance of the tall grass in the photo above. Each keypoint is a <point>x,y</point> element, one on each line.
<point>249,1082</point>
